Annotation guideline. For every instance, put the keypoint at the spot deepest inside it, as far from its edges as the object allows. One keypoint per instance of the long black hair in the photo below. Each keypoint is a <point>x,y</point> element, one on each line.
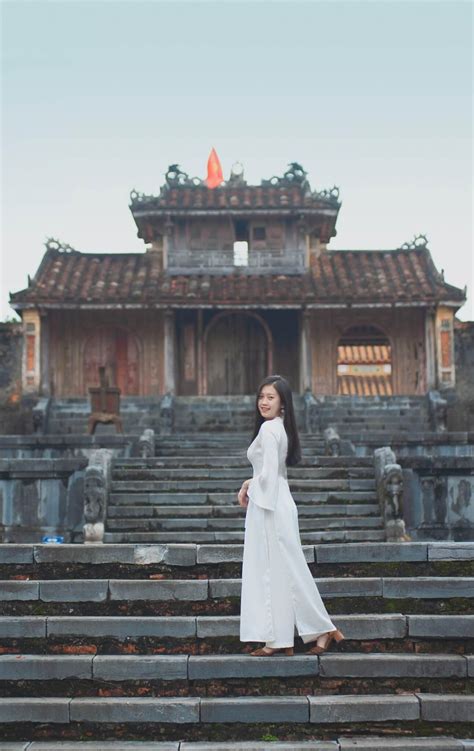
<point>282,386</point>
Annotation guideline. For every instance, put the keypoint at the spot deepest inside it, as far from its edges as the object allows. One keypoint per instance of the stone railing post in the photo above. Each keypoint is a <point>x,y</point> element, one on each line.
<point>389,481</point>
<point>438,411</point>
<point>41,412</point>
<point>311,412</point>
<point>146,443</point>
<point>332,441</point>
<point>96,495</point>
<point>167,413</point>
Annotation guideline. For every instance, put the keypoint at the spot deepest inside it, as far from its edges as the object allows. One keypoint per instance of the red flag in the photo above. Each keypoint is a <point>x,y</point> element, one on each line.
<point>214,171</point>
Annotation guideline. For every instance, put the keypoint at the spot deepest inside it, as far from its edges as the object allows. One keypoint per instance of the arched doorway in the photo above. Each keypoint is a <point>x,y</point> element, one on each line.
<point>238,353</point>
<point>116,350</point>
<point>364,362</point>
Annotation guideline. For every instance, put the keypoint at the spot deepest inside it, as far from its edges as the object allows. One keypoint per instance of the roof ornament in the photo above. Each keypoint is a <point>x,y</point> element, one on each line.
<point>237,174</point>
<point>52,244</point>
<point>329,194</point>
<point>419,241</point>
<point>294,175</point>
<point>175,177</point>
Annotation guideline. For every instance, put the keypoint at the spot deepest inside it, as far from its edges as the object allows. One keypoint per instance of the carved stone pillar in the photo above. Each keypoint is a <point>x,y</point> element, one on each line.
<point>169,351</point>
<point>430,349</point>
<point>305,352</point>
<point>45,368</point>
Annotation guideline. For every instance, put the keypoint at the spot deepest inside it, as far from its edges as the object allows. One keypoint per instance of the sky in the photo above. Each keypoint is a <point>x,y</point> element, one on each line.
<point>98,98</point>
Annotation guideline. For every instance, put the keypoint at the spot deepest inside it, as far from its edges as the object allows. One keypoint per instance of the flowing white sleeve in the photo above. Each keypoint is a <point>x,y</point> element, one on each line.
<point>263,488</point>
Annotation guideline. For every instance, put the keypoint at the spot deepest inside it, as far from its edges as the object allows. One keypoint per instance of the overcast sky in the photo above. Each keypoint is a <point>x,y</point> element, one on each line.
<point>100,97</point>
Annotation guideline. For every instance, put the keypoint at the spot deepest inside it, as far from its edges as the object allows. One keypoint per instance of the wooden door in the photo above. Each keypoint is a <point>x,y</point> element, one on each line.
<point>115,350</point>
<point>236,355</point>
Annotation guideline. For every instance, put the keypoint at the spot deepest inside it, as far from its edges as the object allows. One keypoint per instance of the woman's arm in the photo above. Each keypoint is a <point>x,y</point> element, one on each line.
<point>263,489</point>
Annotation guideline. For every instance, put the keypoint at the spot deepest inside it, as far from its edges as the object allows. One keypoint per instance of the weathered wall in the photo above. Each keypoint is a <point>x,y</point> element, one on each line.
<point>68,332</point>
<point>15,412</point>
<point>461,413</point>
<point>404,328</point>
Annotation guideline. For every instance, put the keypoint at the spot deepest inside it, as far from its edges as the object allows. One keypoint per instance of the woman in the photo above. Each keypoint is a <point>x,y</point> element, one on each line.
<point>278,589</point>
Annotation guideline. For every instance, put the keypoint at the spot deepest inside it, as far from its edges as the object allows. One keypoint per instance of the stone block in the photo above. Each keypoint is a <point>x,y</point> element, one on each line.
<point>441,626</point>
<point>171,589</point>
<point>375,626</point>
<point>260,746</point>
<point>74,590</point>
<point>34,710</point>
<point>446,707</point>
<point>91,554</point>
<point>135,710</point>
<point>350,586</point>
<point>44,667</point>
<point>393,665</point>
<point>16,553</point>
<point>102,746</point>
<point>140,667</point>
<point>355,552</point>
<point>255,709</point>
<point>19,590</point>
<point>219,588</point>
<point>470,665</point>
<point>446,551</point>
<point>348,708</point>
<point>26,627</point>
<point>233,553</point>
<point>386,743</point>
<point>210,626</point>
<point>122,627</point>
<point>245,666</point>
<point>173,555</point>
<point>428,587</point>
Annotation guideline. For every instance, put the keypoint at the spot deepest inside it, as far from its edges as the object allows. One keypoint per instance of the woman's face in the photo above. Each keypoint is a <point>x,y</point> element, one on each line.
<point>269,402</point>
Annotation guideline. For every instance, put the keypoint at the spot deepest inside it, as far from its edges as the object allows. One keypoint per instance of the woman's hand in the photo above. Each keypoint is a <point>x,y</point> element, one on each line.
<point>242,495</point>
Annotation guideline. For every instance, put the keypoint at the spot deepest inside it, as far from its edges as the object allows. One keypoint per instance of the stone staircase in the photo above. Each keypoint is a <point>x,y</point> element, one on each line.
<point>187,493</point>
<point>136,646</point>
<point>356,416</point>
<point>68,416</point>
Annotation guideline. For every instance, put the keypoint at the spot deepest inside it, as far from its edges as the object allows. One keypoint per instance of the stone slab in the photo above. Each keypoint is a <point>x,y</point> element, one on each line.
<point>368,708</point>
<point>386,743</point>
<point>15,746</point>
<point>355,552</point>
<point>19,590</point>
<point>90,554</point>
<point>10,553</point>
<point>135,710</point>
<point>393,665</point>
<point>210,626</point>
<point>255,709</point>
<point>173,555</point>
<point>233,553</point>
<point>261,746</point>
<point>121,627</point>
<point>245,666</point>
<point>446,707</point>
<point>375,626</point>
<point>34,710</point>
<point>441,626</point>
<point>163,589</point>
<point>428,587</point>
<point>26,627</point>
<point>74,590</point>
<point>458,551</point>
<point>328,587</point>
<point>44,667</point>
<point>140,667</point>
<point>470,665</point>
<point>101,746</point>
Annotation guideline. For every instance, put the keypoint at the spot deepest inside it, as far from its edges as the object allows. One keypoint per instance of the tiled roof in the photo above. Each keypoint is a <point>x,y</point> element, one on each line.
<point>336,277</point>
<point>362,354</point>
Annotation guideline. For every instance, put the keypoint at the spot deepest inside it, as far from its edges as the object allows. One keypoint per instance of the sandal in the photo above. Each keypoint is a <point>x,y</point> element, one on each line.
<point>269,651</point>
<point>330,636</point>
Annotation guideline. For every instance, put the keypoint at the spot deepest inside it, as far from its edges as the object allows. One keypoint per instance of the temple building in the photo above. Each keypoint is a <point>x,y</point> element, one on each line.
<point>235,282</point>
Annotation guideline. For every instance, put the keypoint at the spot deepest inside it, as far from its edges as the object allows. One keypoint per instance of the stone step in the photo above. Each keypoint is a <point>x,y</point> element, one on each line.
<point>304,511</point>
<point>139,486</point>
<point>29,667</point>
<point>355,627</point>
<point>190,554</point>
<point>318,710</point>
<point>340,535</point>
<point>210,523</point>
<point>342,462</point>
<point>196,590</point>
<point>230,499</point>
<point>344,743</point>
<point>241,473</point>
